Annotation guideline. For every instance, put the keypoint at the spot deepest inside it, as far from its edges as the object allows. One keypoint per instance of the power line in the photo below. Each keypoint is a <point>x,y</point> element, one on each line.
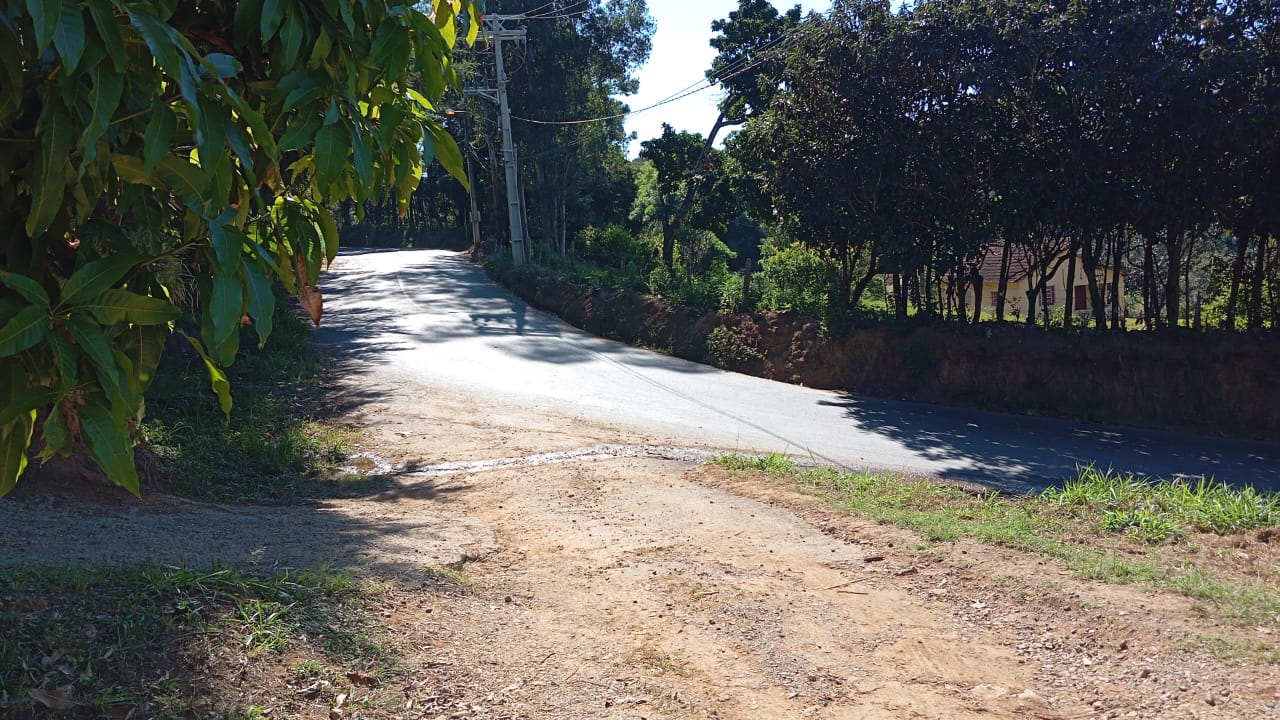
<point>567,11</point>
<point>765,53</point>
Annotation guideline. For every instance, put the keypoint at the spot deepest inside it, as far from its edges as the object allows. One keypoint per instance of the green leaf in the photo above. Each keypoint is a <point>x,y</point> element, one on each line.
<point>329,231</point>
<point>68,37</point>
<point>320,50</point>
<point>248,14</point>
<point>57,437</point>
<point>160,129</point>
<point>262,301</point>
<point>292,33</point>
<point>45,14</point>
<point>160,39</point>
<point>104,20</point>
<point>108,86</point>
<point>421,100</point>
<point>116,305</point>
<point>90,280</point>
<point>448,154</point>
<point>144,345</point>
<point>221,65</point>
<point>10,76</point>
<point>362,154</point>
<point>217,378</point>
<point>330,154</point>
<point>24,330</point>
<point>88,335</point>
<point>25,401</point>
<point>15,439</point>
<point>257,124</point>
<point>109,444</point>
<point>64,356</point>
<point>29,289</point>
<point>272,16</point>
<point>48,185</point>
<point>299,133</point>
<point>226,303</point>
<point>185,180</point>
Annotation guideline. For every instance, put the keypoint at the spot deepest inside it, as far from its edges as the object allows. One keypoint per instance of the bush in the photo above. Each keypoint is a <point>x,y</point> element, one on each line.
<point>794,277</point>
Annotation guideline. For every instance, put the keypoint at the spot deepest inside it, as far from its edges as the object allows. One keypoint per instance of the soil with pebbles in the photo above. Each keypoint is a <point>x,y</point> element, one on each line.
<point>650,587</point>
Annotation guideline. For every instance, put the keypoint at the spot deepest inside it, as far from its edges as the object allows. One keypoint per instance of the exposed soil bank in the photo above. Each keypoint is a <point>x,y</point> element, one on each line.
<point>1213,383</point>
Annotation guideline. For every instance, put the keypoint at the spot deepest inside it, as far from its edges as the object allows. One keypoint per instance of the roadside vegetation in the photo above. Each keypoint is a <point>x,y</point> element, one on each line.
<point>278,444</point>
<point>1101,526</point>
<point>174,642</point>
<point>164,642</point>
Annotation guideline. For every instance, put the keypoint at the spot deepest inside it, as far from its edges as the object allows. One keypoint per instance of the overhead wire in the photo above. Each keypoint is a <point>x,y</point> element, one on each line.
<point>556,13</point>
<point>765,53</point>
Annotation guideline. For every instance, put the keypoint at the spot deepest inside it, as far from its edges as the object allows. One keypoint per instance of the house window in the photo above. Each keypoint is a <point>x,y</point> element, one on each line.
<point>1082,297</point>
<point>995,298</point>
<point>1050,295</point>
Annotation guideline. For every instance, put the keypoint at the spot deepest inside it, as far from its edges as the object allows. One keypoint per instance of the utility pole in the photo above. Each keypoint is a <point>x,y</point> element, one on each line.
<point>497,30</point>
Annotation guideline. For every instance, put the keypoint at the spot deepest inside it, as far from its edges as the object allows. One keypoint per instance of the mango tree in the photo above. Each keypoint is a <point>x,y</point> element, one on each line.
<point>171,156</point>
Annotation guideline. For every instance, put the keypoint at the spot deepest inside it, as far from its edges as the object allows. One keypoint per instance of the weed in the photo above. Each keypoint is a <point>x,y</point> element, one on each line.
<point>651,657</point>
<point>271,449</point>
<point>158,639</point>
<point>1143,524</point>
<point>1052,523</point>
<point>1130,502</point>
<point>1236,650</point>
<point>773,463</point>
<point>307,669</point>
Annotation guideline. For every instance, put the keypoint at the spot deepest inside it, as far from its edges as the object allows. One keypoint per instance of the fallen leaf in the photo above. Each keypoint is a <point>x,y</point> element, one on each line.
<point>59,699</point>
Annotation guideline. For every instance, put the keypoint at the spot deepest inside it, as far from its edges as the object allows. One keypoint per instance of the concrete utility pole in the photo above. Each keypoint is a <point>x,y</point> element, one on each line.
<point>497,30</point>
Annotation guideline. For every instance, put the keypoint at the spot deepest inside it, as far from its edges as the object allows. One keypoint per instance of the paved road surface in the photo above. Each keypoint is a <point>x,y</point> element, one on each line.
<point>440,318</point>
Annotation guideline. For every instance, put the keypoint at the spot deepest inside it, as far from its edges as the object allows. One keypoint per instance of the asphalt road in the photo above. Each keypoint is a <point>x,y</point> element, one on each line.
<point>442,321</point>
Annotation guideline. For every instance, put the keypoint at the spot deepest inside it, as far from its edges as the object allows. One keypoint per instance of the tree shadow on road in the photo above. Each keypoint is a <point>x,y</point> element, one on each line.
<point>1021,454</point>
<point>439,297</point>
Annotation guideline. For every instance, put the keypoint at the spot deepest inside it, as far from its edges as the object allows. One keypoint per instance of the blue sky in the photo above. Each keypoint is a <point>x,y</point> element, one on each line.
<point>681,56</point>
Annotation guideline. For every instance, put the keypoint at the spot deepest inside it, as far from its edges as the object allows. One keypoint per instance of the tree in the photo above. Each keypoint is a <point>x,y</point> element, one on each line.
<point>671,156</point>
<point>576,57</point>
<point>145,143</point>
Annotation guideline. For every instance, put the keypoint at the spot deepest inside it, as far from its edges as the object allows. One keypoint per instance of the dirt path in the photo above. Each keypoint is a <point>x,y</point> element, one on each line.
<point>642,587</point>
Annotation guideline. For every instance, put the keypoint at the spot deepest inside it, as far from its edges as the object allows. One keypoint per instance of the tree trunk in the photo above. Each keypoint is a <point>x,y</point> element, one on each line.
<point>1092,251</point>
<point>1117,254</point>
<point>1255,296</point>
<point>1148,285</point>
<point>1237,275</point>
<point>977,280</point>
<point>1173,278</point>
<point>1003,288</point>
<point>668,243</point>
<point>865,282</point>
<point>899,298</point>
<point>1069,302</point>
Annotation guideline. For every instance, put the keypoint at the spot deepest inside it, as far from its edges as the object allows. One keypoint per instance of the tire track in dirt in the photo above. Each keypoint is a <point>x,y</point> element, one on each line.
<point>630,587</point>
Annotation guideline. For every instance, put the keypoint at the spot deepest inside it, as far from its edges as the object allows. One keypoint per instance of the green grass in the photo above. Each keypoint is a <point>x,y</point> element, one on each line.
<point>149,638</point>
<point>1060,524</point>
<point>1130,503</point>
<point>277,445</point>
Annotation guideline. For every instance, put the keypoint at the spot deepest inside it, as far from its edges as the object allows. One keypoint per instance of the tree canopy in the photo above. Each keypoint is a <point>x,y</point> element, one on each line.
<point>178,157</point>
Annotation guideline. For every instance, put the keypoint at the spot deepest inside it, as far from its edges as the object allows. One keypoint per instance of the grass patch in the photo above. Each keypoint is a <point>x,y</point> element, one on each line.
<point>1234,650</point>
<point>1093,525</point>
<point>166,642</point>
<point>275,447</point>
<point>1159,510</point>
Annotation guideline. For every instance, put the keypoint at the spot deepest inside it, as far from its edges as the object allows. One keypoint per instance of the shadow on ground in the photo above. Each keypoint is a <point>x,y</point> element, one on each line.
<point>1044,451</point>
